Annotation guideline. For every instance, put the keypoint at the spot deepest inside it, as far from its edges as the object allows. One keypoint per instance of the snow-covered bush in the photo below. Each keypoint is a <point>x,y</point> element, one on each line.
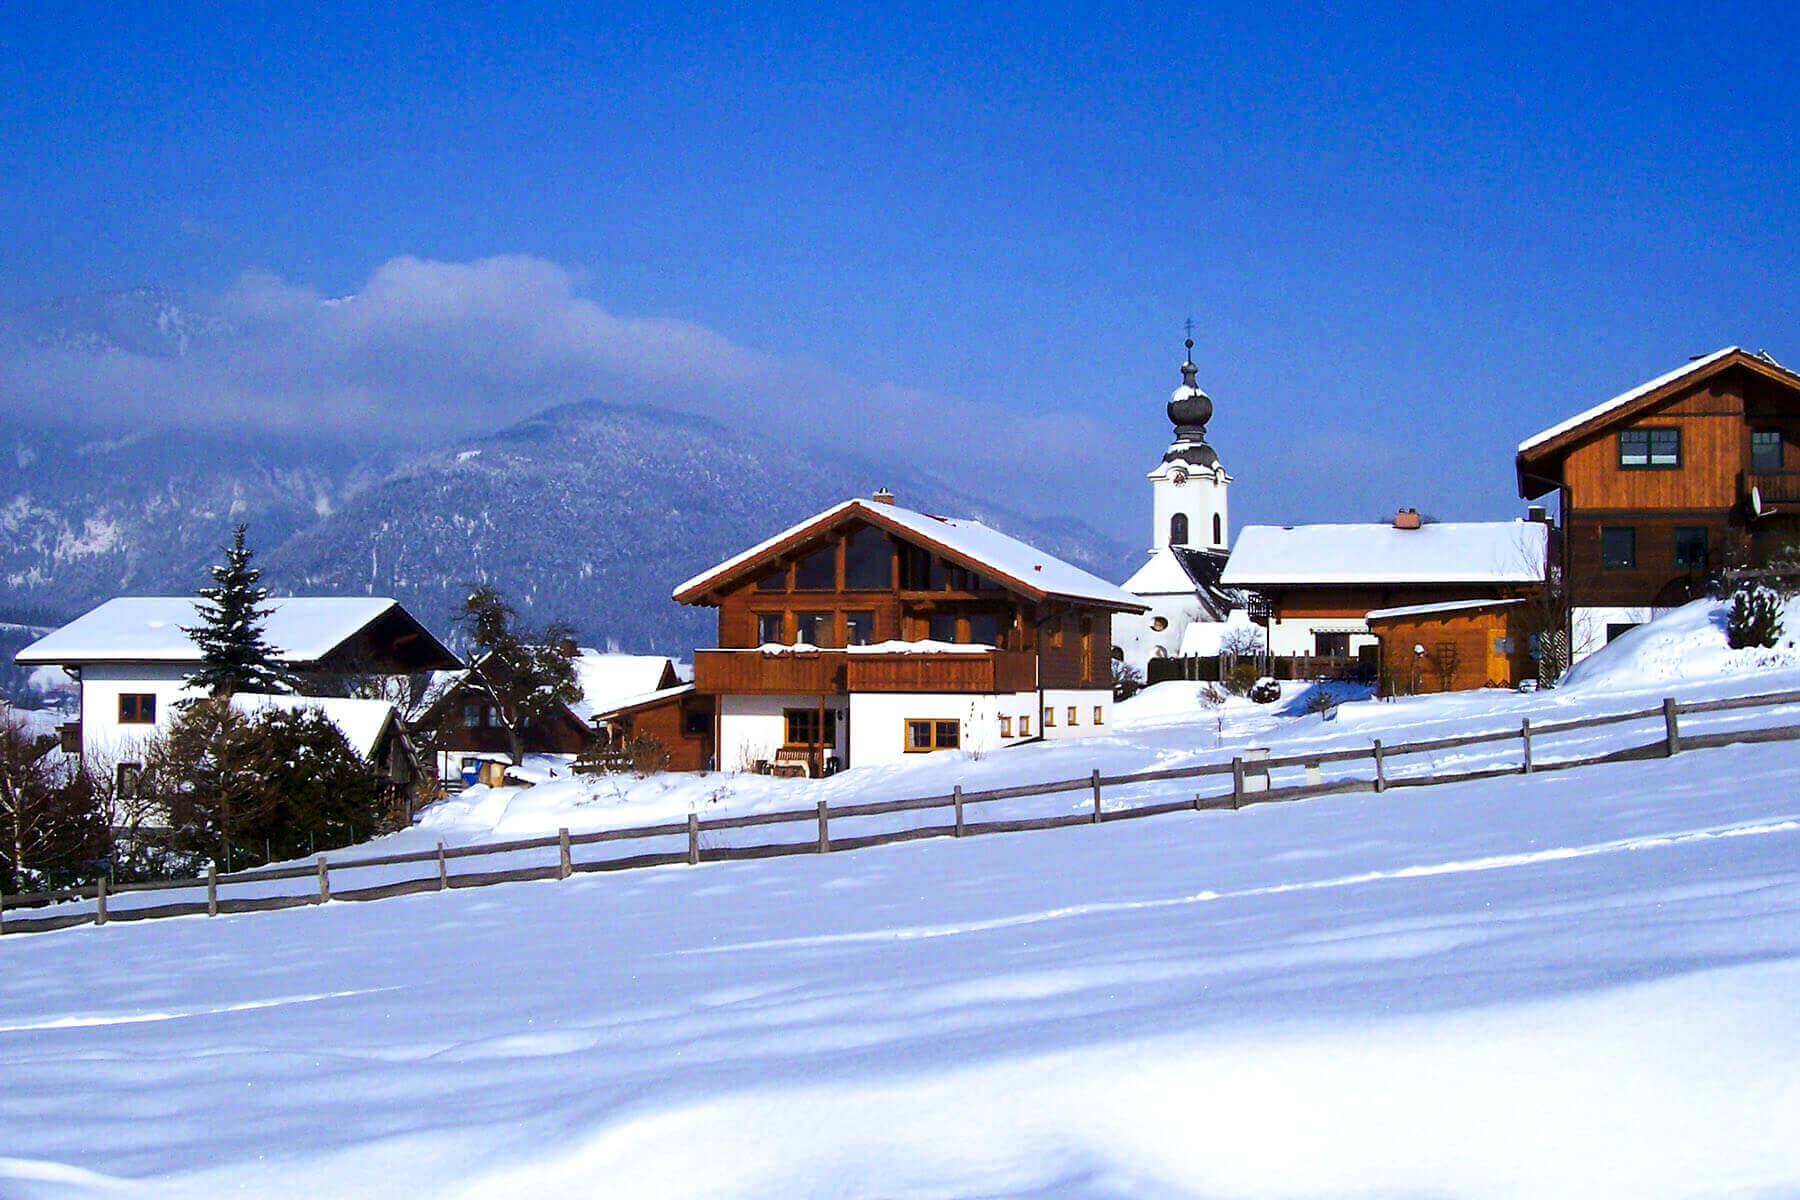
<point>1265,691</point>
<point>1755,617</point>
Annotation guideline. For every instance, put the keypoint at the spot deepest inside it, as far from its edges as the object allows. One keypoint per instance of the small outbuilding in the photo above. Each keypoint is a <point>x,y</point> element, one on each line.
<point>1454,646</point>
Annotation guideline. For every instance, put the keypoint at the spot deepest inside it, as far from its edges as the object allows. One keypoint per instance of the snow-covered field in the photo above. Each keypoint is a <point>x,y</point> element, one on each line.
<point>1571,984</point>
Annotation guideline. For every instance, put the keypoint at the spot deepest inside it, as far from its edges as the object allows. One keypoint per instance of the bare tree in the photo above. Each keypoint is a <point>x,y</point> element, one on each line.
<point>53,826</point>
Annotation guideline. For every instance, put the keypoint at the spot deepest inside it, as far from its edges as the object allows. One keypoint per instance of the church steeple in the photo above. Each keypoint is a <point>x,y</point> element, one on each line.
<point>1189,411</point>
<point>1189,485</point>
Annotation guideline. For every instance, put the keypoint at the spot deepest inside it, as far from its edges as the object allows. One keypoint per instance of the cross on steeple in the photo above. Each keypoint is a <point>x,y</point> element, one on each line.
<point>1189,326</point>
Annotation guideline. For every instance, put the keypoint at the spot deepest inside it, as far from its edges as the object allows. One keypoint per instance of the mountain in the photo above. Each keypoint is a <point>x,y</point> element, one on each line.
<point>588,513</point>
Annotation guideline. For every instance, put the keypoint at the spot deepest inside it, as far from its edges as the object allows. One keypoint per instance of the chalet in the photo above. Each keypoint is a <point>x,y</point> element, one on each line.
<point>1662,486</point>
<point>870,632</point>
<point>1316,584</point>
<point>467,722</point>
<point>132,658</point>
<point>1185,604</point>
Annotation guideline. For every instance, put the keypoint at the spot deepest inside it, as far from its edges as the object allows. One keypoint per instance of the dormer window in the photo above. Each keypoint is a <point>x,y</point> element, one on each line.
<point>1656,448</point>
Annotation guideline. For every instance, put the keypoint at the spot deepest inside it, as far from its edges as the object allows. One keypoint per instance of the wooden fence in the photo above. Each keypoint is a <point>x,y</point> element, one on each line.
<point>1249,777</point>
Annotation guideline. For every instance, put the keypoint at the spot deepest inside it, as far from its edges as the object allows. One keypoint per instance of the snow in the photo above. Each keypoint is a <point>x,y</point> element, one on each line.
<point>1686,644</point>
<point>1161,575</point>
<point>612,681</point>
<point>1566,984</point>
<point>1624,398</point>
<point>1204,639</point>
<point>638,701</point>
<point>922,646</point>
<point>1487,552</point>
<point>989,551</point>
<point>362,721</point>
<point>1425,610</point>
<point>302,629</point>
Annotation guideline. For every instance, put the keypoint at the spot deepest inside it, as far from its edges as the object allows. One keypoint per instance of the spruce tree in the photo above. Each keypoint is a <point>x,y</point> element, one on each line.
<point>235,655</point>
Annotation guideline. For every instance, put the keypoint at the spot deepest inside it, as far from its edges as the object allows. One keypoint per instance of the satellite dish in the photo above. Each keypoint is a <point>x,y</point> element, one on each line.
<point>1757,511</point>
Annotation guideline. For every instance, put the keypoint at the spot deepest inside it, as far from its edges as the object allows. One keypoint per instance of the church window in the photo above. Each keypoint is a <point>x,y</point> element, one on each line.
<point>1178,529</point>
<point>1159,623</point>
<point>1218,530</point>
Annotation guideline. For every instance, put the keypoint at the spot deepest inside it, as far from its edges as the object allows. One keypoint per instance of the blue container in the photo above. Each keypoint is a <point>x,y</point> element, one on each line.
<point>471,772</point>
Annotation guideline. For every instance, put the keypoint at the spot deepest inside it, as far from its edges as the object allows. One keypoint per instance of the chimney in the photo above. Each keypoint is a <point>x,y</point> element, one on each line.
<point>1406,518</point>
<point>1538,514</point>
<point>883,497</point>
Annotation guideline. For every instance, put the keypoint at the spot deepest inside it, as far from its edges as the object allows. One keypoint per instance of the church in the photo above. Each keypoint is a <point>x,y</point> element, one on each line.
<point>1190,613</point>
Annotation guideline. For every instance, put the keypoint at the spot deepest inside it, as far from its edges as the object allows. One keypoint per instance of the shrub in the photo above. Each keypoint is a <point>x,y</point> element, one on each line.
<point>1265,691</point>
<point>1755,617</point>
<point>1241,678</point>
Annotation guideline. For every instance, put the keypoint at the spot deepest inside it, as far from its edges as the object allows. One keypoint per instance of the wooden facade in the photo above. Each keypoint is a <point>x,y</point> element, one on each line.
<point>681,723</point>
<point>1455,650</point>
<point>1646,530</point>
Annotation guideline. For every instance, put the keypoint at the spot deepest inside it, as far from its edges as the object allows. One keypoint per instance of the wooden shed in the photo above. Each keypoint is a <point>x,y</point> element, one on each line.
<point>1454,646</point>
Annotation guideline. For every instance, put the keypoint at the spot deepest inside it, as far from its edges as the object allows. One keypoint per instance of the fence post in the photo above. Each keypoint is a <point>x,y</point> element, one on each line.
<point>564,866</point>
<point>1380,768</point>
<point>443,869</point>
<point>100,901</point>
<point>324,883</point>
<point>824,837</point>
<point>212,889</point>
<point>956,794</point>
<point>1669,724</point>
<point>693,839</point>
<point>1096,795</point>
<point>1237,782</point>
<point>1525,737</point>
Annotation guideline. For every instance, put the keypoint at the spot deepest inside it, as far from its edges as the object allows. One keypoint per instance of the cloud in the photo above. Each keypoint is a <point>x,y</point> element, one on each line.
<point>476,345</point>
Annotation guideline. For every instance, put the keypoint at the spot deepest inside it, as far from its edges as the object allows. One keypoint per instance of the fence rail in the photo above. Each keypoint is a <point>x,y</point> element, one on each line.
<point>1250,784</point>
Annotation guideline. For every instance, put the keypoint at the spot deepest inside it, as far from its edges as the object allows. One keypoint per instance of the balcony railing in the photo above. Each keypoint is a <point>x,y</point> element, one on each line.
<point>836,672</point>
<point>1772,487</point>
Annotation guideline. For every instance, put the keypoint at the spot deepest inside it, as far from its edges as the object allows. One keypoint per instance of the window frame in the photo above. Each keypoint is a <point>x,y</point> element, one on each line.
<point>1649,454</point>
<point>1099,714</point>
<point>932,627</point>
<point>819,620</point>
<point>1179,531</point>
<point>780,619</point>
<point>1049,716</point>
<point>1780,452</point>
<point>1073,711</point>
<point>1629,562</point>
<point>1675,540</point>
<point>935,727</point>
<point>137,708</point>
<point>1005,727</point>
<point>1025,726</point>
<point>850,619</point>
<point>828,733</point>
<point>827,554</point>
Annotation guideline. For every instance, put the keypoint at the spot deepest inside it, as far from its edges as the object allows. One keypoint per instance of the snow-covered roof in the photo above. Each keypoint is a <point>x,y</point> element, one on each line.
<point>612,681</point>
<point>301,629</point>
<point>361,720</point>
<point>1162,575</point>
<point>1489,552</point>
<point>922,646</point>
<point>655,697</point>
<point>1624,398</point>
<point>1447,606</point>
<point>995,554</point>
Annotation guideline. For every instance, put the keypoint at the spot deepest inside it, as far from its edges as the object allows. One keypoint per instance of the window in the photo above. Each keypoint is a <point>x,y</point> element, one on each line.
<point>1159,623</point>
<point>137,708</point>
<point>128,780</point>
<point>1099,714</point>
<point>769,629</point>
<point>813,628</point>
<point>868,561</point>
<point>1087,656</point>
<point>984,629</point>
<point>859,628</point>
<point>774,581</point>
<point>471,716</point>
<point>1690,547</point>
<point>1024,726</point>
<point>1331,645</point>
<point>1056,634</point>
<point>1619,629</point>
<point>1618,547</point>
<point>803,726</point>
<point>943,627</point>
<point>915,569</point>
<point>1178,530</point>
<point>817,572</point>
<point>1071,715</point>
<point>1765,450</point>
<point>961,579</point>
<point>695,722</point>
<point>1005,727</point>
<point>492,713</point>
<point>1218,530</point>
<point>1049,717</point>
<point>1654,447</point>
<point>926,735</point>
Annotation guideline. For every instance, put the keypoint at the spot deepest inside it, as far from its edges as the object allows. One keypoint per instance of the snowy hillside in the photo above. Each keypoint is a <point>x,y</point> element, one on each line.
<point>1567,984</point>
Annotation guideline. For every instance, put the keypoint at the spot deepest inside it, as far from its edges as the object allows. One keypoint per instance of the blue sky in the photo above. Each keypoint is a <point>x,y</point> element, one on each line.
<point>1406,240</point>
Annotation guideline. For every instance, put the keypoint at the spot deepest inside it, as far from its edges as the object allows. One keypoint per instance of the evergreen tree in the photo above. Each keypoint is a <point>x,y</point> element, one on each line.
<point>1755,617</point>
<point>235,656</point>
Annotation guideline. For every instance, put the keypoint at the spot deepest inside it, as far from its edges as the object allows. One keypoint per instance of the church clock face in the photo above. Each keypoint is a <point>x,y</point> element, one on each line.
<point>1179,477</point>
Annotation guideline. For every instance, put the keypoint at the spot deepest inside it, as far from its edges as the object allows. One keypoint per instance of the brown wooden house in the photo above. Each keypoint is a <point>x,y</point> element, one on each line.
<point>871,631</point>
<point>1454,646</point>
<point>1662,487</point>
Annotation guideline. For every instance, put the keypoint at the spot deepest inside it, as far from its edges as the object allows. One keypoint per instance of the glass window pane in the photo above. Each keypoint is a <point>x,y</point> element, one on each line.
<point>984,629</point>
<point>859,628</point>
<point>1665,447</point>
<point>774,581</point>
<point>918,735</point>
<point>1690,548</point>
<point>768,629</point>
<point>1618,547</point>
<point>1634,448</point>
<point>817,572</point>
<point>868,561</point>
<point>1765,450</point>
<point>949,735</point>
<point>815,628</point>
<point>943,627</point>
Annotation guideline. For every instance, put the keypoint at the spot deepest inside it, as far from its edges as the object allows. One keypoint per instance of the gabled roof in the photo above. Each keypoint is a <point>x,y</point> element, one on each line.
<point>1447,606</point>
<point>608,681</point>
<point>1484,552</point>
<point>1004,559</point>
<point>363,722</point>
<point>1627,404</point>
<point>660,696</point>
<point>301,629</point>
<point>1187,571</point>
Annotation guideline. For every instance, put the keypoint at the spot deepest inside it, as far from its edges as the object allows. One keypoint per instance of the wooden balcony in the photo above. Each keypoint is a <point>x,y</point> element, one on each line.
<point>835,672</point>
<point>1772,487</point>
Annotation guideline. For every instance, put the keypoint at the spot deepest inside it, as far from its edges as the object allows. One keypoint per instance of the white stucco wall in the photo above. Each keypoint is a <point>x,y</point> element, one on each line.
<point>1295,636</point>
<point>1200,497</point>
<point>104,741</point>
<point>1588,627</point>
<point>752,728</point>
<point>1134,633</point>
<point>878,721</point>
<point>1084,701</point>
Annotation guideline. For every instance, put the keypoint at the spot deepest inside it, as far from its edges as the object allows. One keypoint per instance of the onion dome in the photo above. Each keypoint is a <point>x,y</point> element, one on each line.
<point>1189,407</point>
